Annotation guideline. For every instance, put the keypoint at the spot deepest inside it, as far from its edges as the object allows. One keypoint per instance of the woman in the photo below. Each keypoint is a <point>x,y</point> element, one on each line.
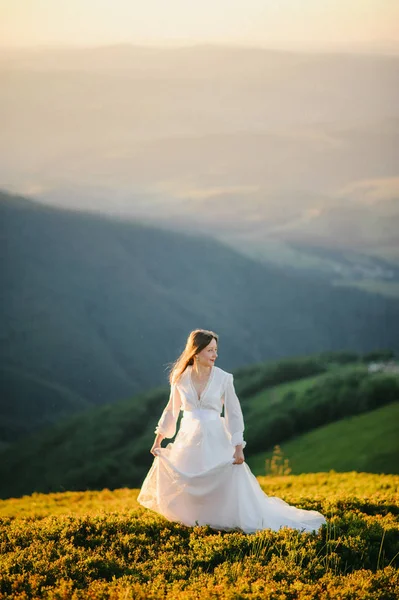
<point>202,478</point>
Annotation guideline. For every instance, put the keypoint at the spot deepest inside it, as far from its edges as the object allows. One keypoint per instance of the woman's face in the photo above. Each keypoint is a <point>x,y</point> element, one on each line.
<point>208,355</point>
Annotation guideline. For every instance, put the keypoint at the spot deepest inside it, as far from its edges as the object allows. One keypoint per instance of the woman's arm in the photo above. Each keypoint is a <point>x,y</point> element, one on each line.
<point>167,422</point>
<point>157,443</point>
<point>234,419</point>
<point>166,427</point>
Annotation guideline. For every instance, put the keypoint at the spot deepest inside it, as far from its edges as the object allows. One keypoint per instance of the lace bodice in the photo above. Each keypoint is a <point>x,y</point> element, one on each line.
<point>218,391</point>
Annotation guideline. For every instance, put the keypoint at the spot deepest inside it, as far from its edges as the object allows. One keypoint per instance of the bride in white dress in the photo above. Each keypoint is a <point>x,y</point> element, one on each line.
<point>202,477</point>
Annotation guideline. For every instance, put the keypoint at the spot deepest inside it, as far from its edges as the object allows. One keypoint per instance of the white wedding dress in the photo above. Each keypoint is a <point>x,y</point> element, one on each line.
<point>193,480</point>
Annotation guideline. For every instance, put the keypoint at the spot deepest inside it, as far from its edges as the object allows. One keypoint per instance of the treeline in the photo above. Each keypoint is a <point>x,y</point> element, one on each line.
<point>254,379</point>
<point>332,397</point>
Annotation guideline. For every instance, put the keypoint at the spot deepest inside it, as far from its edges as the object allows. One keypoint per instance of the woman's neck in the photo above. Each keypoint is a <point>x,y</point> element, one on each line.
<point>202,371</point>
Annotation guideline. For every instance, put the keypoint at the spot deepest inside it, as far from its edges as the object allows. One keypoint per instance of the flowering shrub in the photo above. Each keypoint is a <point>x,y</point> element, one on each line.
<point>277,464</point>
<point>103,545</point>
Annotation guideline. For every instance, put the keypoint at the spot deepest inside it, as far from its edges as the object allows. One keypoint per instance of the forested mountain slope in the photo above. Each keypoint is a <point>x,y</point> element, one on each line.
<point>94,309</point>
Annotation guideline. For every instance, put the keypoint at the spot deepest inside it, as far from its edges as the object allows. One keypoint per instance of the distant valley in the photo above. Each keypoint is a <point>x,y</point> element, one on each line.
<point>290,158</point>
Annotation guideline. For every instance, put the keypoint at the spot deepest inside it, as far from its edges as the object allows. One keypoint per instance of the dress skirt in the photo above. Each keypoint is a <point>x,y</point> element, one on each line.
<point>193,481</point>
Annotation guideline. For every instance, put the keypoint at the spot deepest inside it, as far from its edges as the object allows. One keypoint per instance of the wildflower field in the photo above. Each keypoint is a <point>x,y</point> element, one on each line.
<point>102,544</point>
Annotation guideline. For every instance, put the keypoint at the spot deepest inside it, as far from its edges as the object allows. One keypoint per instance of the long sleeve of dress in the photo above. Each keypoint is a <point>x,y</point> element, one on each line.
<point>167,422</point>
<point>233,414</point>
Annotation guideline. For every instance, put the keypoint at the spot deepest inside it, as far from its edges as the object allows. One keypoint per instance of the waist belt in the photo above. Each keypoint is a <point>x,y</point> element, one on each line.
<point>201,414</point>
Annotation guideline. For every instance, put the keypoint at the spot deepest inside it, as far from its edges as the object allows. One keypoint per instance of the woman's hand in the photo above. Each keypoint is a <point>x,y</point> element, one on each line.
<point>156,446</point>
<point>238,455</point>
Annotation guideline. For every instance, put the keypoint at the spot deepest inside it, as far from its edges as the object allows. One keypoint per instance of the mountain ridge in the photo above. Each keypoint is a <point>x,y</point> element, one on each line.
<point>98,305</point>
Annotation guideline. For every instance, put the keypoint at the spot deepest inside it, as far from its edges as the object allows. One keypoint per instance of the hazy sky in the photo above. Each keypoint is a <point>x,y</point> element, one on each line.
<point>156,22</point>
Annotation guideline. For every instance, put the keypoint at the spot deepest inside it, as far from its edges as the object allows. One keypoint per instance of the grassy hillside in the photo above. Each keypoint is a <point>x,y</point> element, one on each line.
<point>103,545</point>
<point>99,306</point>
<point>368,442</point>
<point>109,446</point>
<point>283,411</point>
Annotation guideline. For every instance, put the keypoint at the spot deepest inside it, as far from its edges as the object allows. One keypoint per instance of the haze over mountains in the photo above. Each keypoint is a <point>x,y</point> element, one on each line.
<point>262,149</point>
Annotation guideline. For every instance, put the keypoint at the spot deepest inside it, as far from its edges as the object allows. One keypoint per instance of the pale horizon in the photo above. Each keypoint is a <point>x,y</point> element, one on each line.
<point>387,47</point>
<point>336,25</point>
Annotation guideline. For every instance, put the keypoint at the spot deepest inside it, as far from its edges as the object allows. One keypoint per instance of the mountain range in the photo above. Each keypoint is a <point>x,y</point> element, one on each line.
<point>95,309</point>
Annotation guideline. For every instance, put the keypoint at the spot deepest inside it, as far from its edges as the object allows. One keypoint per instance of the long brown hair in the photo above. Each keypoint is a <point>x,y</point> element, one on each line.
<point>196,341</point>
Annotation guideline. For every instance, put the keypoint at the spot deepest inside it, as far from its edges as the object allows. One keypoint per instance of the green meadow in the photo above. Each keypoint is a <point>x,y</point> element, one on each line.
<point>368,441</point>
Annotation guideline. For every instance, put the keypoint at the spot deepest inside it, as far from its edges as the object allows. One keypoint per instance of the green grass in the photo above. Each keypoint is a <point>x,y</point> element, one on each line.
<point>363,442</point>
<point>275,395</point>
<point>103,545</point>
